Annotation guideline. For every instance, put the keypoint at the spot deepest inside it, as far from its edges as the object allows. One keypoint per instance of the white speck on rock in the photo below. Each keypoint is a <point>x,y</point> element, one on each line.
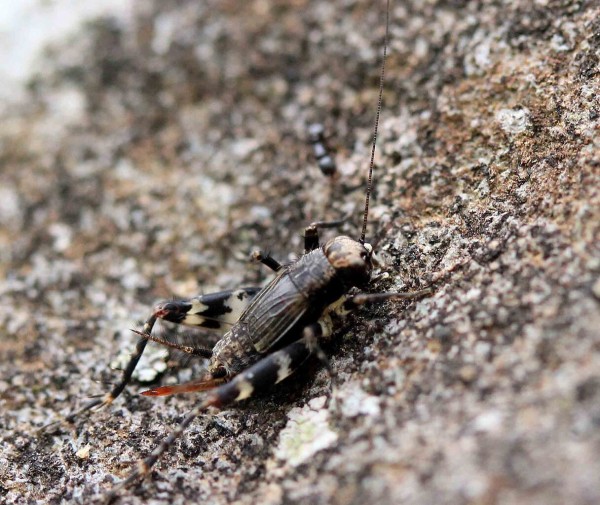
<point>514,121</point>
<point>62,235</point>
<point>66,105</point>
<point>559,44</point>
<point>357,402</point>
<point>306,433</point>
<point>260,212</point>
<point>242,148</point>
<point>131,277</point>
<point>477,60</point>
<point>11,213</point>
<point>84,452</point>
<point>165,30</point>
<point>488,422</point>
<point>483,188</point>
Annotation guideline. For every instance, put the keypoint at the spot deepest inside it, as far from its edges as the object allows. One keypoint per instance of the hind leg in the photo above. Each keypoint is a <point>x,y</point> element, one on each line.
<point>272,369</point>
<point>214,311</point>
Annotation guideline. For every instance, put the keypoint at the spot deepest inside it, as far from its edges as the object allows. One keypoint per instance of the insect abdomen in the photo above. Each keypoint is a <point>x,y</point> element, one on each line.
<point>234,352</point>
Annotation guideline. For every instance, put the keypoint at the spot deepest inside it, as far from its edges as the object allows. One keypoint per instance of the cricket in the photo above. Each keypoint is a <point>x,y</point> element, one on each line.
<point>268,333</point>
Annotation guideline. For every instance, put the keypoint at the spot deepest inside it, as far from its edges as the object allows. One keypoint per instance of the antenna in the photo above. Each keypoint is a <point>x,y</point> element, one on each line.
<point>372,162</point>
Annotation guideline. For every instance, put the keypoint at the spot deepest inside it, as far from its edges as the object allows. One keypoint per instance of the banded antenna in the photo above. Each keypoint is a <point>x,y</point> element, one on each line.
<point>375,128</point>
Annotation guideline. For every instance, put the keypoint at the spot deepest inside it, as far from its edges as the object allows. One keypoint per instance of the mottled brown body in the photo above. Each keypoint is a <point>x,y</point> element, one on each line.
<point>297,297</point>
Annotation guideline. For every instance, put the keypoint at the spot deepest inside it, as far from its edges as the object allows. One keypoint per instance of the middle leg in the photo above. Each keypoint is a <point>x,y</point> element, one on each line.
<point>355,301</point>
<point>267,260</point>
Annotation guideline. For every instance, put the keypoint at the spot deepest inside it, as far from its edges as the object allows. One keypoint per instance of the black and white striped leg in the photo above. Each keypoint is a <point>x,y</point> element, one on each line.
<point>311,233</point>
<point>267,260</point>
<point>214,311</point>
<point>272,369</point>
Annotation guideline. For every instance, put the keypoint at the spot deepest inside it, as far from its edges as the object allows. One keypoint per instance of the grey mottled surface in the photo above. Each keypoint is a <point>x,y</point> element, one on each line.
<point>153,155</point>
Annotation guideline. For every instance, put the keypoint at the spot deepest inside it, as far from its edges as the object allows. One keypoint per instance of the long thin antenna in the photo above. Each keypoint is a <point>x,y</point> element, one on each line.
<point>381,79</point>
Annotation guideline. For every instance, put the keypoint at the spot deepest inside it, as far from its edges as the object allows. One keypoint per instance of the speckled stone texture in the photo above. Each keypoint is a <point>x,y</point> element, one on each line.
<point>154,154</point>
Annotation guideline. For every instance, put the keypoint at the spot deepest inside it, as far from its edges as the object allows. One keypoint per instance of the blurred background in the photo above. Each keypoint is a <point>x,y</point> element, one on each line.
<point>147,148</point>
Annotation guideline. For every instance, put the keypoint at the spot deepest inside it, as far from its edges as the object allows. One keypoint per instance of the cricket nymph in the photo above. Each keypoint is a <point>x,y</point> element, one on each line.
<point>298,296</point>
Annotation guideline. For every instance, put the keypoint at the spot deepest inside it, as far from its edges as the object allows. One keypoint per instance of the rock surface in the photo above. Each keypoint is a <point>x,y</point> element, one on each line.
<point>154,153</point>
